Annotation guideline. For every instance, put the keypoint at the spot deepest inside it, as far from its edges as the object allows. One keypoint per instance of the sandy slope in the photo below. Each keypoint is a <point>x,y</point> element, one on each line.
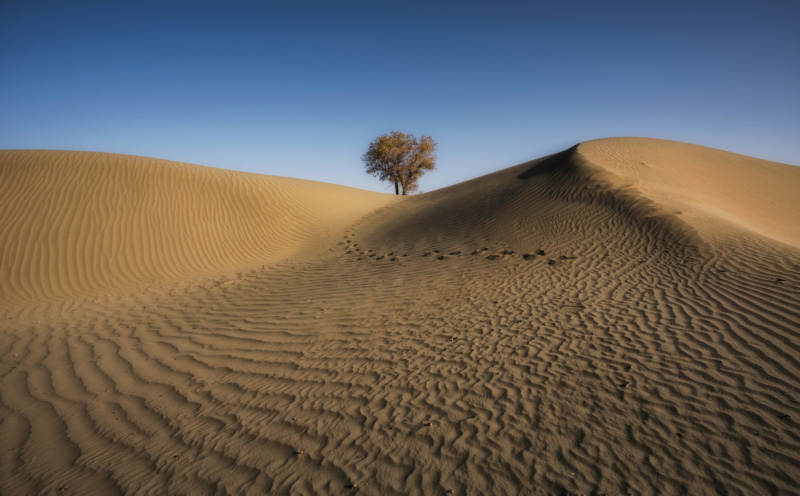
<point>618,318</point>
<point>77,223</point>
<point>703,186</point>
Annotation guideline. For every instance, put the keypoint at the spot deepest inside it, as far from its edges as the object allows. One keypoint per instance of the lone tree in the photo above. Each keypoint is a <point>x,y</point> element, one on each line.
<point>401,159</point>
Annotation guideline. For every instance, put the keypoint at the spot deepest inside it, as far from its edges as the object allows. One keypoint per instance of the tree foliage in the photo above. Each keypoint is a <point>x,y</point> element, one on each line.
<point>401,159</point>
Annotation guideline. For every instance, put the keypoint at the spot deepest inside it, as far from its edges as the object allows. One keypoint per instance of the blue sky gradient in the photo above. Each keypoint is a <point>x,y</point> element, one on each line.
<point>299,89</point>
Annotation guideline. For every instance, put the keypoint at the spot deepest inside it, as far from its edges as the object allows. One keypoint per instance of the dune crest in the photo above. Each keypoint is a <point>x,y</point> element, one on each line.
<point>74,224</point>
<point>698,183</point>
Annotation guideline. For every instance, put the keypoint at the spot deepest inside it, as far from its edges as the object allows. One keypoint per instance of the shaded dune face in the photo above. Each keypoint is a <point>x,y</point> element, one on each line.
<point>550,201</point>
<point>75,224</point>
<point>593,322</point>
<point>672,194</point>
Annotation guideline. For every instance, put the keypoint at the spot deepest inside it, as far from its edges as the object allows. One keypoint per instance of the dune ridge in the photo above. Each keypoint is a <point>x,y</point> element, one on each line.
<point>700,183</point>
<point>79,223</point>
<point>571,325</point>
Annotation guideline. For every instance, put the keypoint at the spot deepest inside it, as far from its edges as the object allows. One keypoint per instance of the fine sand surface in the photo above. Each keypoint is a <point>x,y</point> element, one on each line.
<point>619,318</point>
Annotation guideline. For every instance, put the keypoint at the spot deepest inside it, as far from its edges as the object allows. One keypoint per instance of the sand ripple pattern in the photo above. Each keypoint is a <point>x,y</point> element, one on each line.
<point>76,224</point>
<point>536,331</point>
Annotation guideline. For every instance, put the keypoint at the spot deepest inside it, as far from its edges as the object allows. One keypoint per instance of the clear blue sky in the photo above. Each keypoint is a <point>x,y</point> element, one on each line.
<point>300,88</point>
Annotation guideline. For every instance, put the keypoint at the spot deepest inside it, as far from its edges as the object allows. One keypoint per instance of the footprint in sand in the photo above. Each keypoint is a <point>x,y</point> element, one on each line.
<point>501,254</point>
<point>531,256</point>
<point>563,259</point>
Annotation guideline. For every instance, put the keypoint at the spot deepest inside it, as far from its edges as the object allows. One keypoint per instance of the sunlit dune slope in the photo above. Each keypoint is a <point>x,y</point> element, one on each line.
<point>78,223</point>
<point>703,185</point>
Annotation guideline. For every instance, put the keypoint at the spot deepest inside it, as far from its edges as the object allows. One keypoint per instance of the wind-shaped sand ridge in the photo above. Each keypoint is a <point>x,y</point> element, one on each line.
<point>74,224</point>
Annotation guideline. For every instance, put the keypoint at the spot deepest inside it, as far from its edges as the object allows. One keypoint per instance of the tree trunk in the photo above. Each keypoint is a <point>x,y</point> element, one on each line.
<point>396,188</point>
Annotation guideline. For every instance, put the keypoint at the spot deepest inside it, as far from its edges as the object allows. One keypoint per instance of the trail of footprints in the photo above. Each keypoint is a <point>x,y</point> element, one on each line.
<point>352,248</point>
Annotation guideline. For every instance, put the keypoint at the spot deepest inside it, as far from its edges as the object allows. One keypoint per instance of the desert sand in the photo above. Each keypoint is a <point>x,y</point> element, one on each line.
<point>622,317</point>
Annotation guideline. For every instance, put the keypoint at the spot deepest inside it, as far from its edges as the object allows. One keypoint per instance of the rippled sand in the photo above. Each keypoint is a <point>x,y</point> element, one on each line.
<point>622,317</point>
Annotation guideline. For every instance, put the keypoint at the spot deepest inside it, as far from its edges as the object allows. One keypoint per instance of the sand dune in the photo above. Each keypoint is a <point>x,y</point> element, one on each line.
<point>76,224</point>
<point>703,185</point>
<point>619,318</point>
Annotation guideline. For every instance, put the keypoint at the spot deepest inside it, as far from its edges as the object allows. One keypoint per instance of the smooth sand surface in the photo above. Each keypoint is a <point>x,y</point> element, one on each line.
<point>619,318</point>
